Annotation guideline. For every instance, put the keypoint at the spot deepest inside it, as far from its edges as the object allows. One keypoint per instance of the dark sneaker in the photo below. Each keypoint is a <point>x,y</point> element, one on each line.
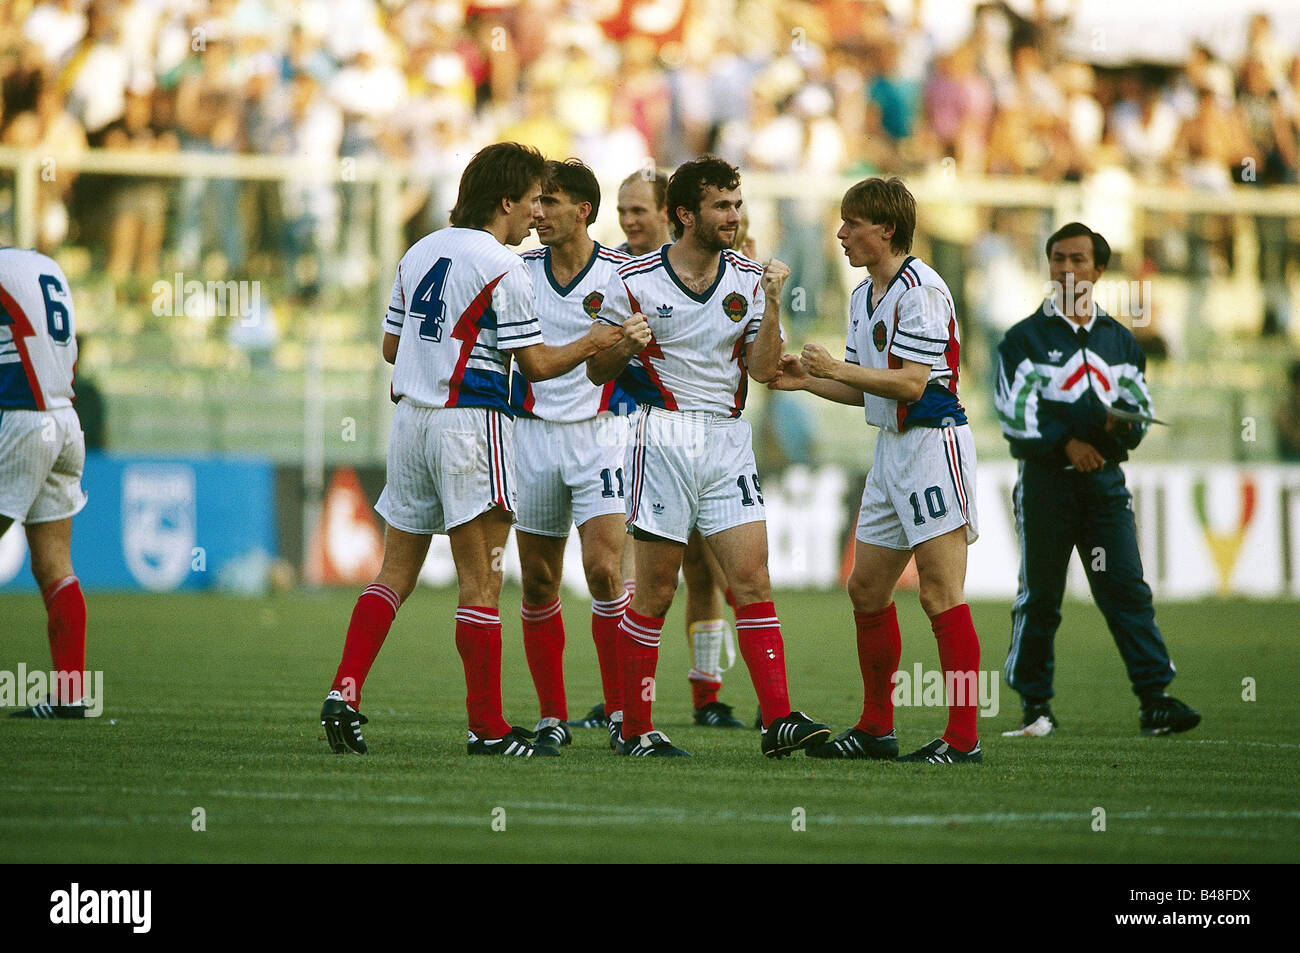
<point>615,730</point>
<point>552,733</point>
<point>47,710</point>
<point>652,744</point>
<point>717,715</point>
<point>593,719</point>
<point>342,724</point>
<point>787,735</point>
<point>939,751</point>
<point>857,744</point>
<point>1166,715</point>
<point>518,743</point>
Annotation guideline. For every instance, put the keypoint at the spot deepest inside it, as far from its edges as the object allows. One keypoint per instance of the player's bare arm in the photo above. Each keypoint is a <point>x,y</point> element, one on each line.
<point>390,347</point>
<point>792,375</point>
<point>906,383</point>
<point>763,354</point>
<point>541,362</point>
<point>609,363</point>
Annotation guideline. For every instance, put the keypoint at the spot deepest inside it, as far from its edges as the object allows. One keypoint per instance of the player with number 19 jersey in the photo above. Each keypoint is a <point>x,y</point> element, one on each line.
<point>461,300</point>
<point>695,361</point>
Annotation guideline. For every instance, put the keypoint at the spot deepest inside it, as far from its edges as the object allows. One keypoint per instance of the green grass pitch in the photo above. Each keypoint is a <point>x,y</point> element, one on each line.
<point>211,703</point>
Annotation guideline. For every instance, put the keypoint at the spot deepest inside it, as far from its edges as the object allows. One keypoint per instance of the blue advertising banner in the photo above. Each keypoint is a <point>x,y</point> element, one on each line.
<point>163,524</point>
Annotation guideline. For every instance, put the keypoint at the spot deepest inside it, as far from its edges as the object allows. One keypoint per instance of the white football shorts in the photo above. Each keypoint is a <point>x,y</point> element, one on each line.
<point>569,472</point>
<point>42,456</point>
<point>446,465</point>
<point>921,485</point>
<point>691,470</point>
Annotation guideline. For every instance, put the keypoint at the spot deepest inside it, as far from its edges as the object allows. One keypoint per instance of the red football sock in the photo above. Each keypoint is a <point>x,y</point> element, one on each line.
<point>372,617</point>
<point>639,651</point>
<point>605,617</point>
<point>66,607</point>
<point>544,646</point>
<point>879,649</point>
<point>704,692</point>
<point>478,640</point>
<point>959,655</point>
<point>759,633</point>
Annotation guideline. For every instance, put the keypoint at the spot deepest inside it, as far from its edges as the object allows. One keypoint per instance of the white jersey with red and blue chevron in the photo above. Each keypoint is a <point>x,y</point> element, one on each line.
<point>38,344</point>
<point>461,300</point>
<point>914,321</point>
<point>566,313</point>
<point>696,357</point>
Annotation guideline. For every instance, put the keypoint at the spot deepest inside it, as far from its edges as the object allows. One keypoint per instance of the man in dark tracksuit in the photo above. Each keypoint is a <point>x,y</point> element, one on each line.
<point>1061,369</point>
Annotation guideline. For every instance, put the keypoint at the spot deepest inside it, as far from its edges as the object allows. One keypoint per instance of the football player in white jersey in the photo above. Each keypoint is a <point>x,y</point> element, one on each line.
<point>42,455</point>
<point>901,365</point>
<point>569,451</point>
<point>462,305</point>
<point>643,216</point>
<point>715,319</point>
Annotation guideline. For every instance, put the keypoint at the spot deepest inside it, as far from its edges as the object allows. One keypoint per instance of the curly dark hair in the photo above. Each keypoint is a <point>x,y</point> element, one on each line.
<point>687,185</point>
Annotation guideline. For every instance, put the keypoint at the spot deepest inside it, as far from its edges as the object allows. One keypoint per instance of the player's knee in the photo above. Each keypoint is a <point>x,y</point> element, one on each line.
<point>604,579</point>
<point>756,586</point>
<point>937,598</point>
<point>540,584</point>
<point>866,594</point>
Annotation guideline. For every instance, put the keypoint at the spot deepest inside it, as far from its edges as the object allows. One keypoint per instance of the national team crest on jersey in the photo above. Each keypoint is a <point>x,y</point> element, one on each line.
<point>879,335</point>
<point>735,306</point>
<point>591,304</point>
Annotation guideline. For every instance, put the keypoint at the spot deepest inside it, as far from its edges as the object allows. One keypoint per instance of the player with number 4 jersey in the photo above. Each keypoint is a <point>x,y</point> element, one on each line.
<point>462,308</point>
<point>901,366</point>
<point>42,455</point>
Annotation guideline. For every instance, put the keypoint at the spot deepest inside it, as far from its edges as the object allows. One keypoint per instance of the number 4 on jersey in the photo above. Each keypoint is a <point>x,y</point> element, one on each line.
<point>428,305</point>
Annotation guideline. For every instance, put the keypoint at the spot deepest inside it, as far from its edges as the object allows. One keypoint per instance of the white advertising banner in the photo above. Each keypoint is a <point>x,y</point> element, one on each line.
<point>1204,530</point>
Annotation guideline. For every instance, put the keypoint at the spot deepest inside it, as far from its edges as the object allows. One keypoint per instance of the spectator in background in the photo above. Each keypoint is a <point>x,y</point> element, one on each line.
<point>1273,149</point>
<point>209,113</point>
<point>137,204</point>
<point>49,128</point>
<point>312,130</point>
<point>1144,127</point>
<point>1288,419</point>
<point>97,72</point>
<point>24,73</point>
<point>57,28</point>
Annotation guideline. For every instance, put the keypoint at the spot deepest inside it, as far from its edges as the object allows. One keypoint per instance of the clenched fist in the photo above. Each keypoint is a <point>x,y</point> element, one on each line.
<point>775,272</point>
<point>604,335</point>
<point>817,361</point>
<point>637,330</point>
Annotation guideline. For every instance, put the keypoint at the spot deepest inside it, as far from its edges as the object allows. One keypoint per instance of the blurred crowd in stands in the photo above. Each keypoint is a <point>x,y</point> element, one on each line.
<point>808,88</point>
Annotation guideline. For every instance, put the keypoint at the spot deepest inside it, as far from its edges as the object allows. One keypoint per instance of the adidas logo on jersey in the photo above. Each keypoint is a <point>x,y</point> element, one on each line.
<point>665,311</point>
<point>1053,355</point>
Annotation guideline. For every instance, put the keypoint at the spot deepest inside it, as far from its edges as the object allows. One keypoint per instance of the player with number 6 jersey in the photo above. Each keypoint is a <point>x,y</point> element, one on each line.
<point>42,455</point>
